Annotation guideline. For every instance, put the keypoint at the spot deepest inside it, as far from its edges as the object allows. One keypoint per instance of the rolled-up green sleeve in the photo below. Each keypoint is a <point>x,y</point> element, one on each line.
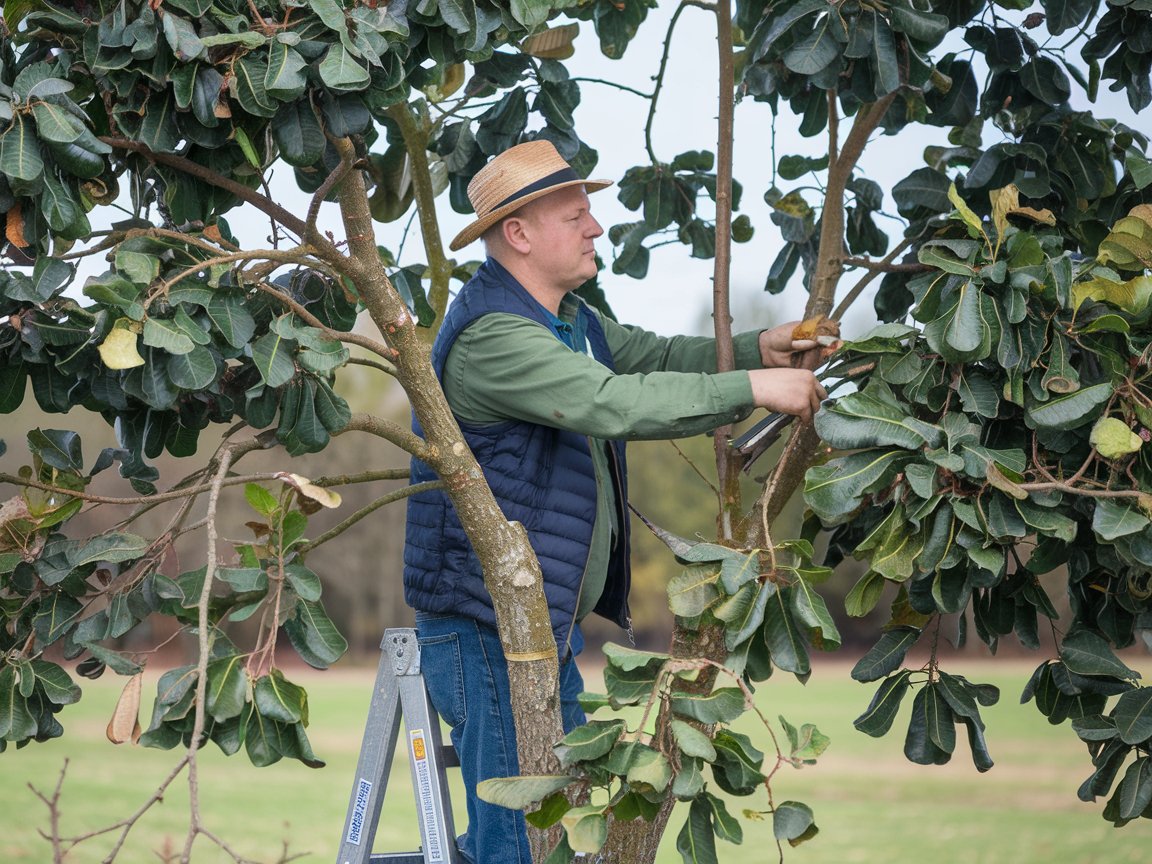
<point>506,367</point>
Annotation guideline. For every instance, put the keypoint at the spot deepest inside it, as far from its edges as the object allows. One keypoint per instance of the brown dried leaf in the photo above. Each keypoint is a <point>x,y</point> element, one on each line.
<point>554,43</point>
<point>324,497</point>
<point>125,723</point>
<point>14,226</point>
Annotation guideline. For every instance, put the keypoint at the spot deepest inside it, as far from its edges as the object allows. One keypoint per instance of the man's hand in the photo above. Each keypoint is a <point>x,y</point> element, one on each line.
<point>787,390</point>
<point>780,348</point>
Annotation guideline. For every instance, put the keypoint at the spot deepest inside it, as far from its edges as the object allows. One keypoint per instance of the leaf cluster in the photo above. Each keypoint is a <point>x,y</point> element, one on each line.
<point>1013,416</point>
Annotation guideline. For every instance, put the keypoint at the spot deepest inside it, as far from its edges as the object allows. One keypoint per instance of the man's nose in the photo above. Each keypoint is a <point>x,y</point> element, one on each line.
<point>594,230</point>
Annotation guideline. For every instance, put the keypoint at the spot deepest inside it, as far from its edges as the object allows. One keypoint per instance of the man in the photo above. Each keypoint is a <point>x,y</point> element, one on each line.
<point>546,391</point>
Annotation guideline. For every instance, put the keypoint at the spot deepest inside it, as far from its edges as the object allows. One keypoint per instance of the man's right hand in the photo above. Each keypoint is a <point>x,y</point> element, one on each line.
<point>789,391</point>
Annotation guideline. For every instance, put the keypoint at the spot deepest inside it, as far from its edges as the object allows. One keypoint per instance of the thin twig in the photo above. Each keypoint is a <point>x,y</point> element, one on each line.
<point>864,282</point>
<point>205,646</point>
<point>398,495</point>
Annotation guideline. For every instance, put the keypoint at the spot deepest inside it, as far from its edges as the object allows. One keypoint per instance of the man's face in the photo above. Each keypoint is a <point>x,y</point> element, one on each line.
<point>561,229</point>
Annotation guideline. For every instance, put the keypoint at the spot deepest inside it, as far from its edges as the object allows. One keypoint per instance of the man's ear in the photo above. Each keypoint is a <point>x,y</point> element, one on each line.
<point>514,232</point>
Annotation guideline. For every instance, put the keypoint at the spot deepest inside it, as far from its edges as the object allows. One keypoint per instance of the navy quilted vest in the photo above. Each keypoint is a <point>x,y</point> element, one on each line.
<point>542,477</point>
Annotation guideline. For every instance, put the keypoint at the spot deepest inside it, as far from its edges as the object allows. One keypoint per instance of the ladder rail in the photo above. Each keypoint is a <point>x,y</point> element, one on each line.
<point>399,693</point>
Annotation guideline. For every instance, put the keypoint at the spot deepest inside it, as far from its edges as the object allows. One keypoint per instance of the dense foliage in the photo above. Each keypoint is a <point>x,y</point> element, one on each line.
<point>996,432</point>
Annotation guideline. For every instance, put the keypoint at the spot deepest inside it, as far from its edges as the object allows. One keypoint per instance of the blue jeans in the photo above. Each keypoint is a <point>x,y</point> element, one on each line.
<point>467,678</point>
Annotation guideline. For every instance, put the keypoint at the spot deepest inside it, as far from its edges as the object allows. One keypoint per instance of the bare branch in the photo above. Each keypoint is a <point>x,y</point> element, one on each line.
<point>389,431</point>
<point>398,495</point>
<point>859,287</point>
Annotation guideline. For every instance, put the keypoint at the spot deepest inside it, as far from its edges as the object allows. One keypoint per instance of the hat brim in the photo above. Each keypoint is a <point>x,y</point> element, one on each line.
<point>473,231</point>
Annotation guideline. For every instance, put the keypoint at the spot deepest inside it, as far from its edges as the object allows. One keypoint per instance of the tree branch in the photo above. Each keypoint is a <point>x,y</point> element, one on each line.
<point>727,469</point>
<point>864,282</point>
<point>441,267</point>
<point>398,495</point>
<point>395,433</point>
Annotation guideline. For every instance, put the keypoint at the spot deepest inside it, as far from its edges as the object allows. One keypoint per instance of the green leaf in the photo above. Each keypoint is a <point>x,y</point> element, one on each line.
<point>693,742</point>
<point>885,705</point>
<point>58,448</point>
<point>693,590</point>
<point>586,828</point>
<point>721,706</point>
<point>161,333</point>
<point>230,317</point>
<point>298,134</point>
<point>194,370</point>
<point>16,721</point>
<point>1134,793</point>
<point>864,595</point>
<point>247,85</point>
<point>782,636</point>
<point>549,811</point>
<point>182,38</point>
<point>343,72</point>
<point>794,822</point>
<point>260,499</point>
<point>20,152</point>
<point>519,793</point>
<point>57,685</point>
<point>112,547</point>
<point>243,579</point>
<point>589,742</point>
<point>861,420</point>
<point>724,823</point>
<point>285,78</point>
<point>696,841</point>
<point>806,744</point>
<point>304,581</point>
<point>1112,519</point>
<point>227,687</point>
<point>886,655</point>
<point>1085,653</point>
<point>272,355</point>
<point>833,490</point>
<point>280,699</point>
<point>648,770</point>
<point>1068,411</point>
<point>54,123</point>
<point>1133,716</point>
<point>314,636</point>
<point>815,51</point>
<point>809,609</point>
<point>628,659</point>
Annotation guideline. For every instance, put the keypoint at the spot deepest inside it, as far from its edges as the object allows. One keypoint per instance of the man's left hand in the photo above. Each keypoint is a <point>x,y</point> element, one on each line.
<point>778,348</point>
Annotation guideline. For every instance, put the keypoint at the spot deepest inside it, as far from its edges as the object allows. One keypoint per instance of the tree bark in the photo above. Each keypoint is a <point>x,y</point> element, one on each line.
<point>511,571</point>
<point>803,442</point>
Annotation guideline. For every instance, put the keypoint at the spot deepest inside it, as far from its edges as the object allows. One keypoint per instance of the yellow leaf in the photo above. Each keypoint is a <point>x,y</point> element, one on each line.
<point>1112,438</point>
<point>1131,296</point>
<point>118,350</point>
<point>322,496</point>
<point>966,213</point>
<point>1004,201</point>
<point>1044,217</point>
<point>125,723</point>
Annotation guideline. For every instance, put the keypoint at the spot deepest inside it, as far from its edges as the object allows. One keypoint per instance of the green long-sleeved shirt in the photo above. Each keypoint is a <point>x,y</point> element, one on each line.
<point>503,367</point>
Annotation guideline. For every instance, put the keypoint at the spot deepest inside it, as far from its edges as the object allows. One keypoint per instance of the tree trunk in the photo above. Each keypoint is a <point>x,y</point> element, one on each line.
<point>511,571</point>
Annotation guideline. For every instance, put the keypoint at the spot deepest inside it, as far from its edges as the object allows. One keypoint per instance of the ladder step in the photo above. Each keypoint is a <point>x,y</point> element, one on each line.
<point>397,858</point>
<point>449,758</point>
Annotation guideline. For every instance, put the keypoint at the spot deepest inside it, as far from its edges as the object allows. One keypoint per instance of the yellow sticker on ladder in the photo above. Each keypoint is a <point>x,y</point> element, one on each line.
<point>434,850</point>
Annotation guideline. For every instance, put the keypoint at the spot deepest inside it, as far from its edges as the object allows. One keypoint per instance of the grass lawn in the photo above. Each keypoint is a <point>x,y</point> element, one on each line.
<point>870,804</point>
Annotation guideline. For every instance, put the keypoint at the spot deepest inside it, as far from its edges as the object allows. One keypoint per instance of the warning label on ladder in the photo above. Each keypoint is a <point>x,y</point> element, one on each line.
<point>359,806</point>
<point>433,848</point>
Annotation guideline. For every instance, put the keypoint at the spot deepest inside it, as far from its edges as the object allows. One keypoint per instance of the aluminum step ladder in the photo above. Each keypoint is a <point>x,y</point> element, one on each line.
<point>400,692</point>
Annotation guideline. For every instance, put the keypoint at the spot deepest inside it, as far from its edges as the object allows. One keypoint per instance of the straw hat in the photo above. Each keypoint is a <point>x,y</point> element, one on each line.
<point>513,178</point>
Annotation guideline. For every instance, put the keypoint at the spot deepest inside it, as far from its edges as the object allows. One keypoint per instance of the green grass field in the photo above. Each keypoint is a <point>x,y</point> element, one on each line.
<point>870,804</point>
